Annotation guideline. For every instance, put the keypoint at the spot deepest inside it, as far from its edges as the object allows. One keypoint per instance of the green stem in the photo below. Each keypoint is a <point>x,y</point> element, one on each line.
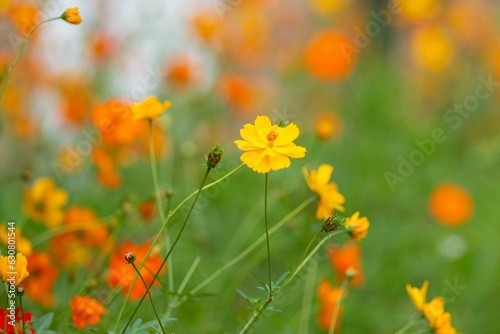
<point>159,203</point>
<point>18,54</point>
<point>307,298</point>
<point>150,297</point>
<point>22,313</point>
<point>171,248</point>
<point>165,223</point>
<point>306,259</point>
<point>337,305</point>
<point>270,294</point>
<point>250,248</point>
<point>406,327</point>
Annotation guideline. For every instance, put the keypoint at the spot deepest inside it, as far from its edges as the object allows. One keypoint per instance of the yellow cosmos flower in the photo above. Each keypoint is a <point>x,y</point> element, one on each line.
<point>44,202</point>
<point>14,268</point>
<point>329,197</point>
<point>72,15</point>
<point>150,108</point>
<point>443,324</point>
<point>433,310</point>
<point>417,295</point>
<point>268,147</point>
<point>358,227</point>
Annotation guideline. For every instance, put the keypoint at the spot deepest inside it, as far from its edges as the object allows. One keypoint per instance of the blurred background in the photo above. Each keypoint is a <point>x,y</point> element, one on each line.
<point>401,97</point>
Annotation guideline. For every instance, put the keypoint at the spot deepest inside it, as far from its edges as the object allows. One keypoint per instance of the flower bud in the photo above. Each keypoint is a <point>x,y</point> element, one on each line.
<point>20,290</point>
<point>332,223</point>
<point>130,257</point>
<point>72,15</point>
<point>214,157</point>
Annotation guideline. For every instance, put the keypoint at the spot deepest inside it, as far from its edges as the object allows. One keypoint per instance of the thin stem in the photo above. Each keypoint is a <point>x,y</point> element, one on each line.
<point>337,305</point>
<point>159,203</point>
<point>22,313</point>
<point>18,54</point>
<point>157,237</point>
<point>171,248</point>
<point>150,297</point>
<point>250,248</point>
<point>270,294</point>
<point>305,312</point>
<point>406,327</point>
<point>306,259</point>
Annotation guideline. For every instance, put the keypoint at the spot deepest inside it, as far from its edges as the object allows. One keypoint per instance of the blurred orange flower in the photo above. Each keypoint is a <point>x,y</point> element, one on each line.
<point>330,198</point>
<point>347,257</point>
<point>206,24</point>
<point>357,227</point>
<point>86,311</point>
<point>182,71</point>
<point>107,173</point>
<point>326,7</point>
<point>414,11</point>
<point>329,55</point>
<point>327,125</point>
<point>328,297</point>
<point>24,17</point>
<point>121,274</point>
<point>20,272</point>
<point>450,204</point>
<point>114,120</point>
<point>147,210</point>
<point>268,147</point>
<point>44,202</point>
<point>76,101</point>
<point>39,284</point>
<point>237,91</point>
<point>150,108</point>
<point>432,48</point>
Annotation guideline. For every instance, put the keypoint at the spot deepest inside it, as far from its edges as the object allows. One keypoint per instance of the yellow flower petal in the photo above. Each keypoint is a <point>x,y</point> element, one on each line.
<point>287,135</point>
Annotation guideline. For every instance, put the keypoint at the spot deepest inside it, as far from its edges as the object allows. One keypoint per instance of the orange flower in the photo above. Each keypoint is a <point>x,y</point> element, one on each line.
<point>237,91</point>
<point>19,263</point>
<point>147,210</point>
<point>121,274</point>
<point>432,48</point>
<point>327,125</point>
<point>329,197</point>
<point>417,295</point>
<point>39,284</point>
<point>86,311</point>
<point>44,202</point>
<point>107,173</point>
<point>72,15</point>
<point>206,24</point>
<point>24,17</point>
<point>182,71</point>
<point>450,204</point>
<point>114,120</point>
<point>413,11</point>
<point>357,227</point>
<point>347,257</point>
<point>328,297</point>
<point>75,103</point>
<point>150,108</point>
<point>329,55</point>
<point>326,7</point>
<point>269,147</point>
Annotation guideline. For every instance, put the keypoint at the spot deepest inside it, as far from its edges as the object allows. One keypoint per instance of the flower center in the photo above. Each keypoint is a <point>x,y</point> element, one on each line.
<point>271,137</point>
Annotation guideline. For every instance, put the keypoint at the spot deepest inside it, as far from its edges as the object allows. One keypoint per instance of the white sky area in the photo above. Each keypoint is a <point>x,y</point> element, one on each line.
<point>148,33</point>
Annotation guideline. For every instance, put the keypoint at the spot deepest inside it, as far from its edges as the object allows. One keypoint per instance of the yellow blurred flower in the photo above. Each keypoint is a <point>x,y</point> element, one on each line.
<point>268,147</point>
<point>72,15</point>
<point>432,48</point>
<point>433,310</point>
<point>420,10</point>
<point>417,295</point>
<point>14,268</point>
<point>44,202</point>
<point>23,245</point>
<point>327,125</point>
<point>326,7</point>
<point>329,197</point>
<point>443,324</point>
<point>150,108</point>
<point>358,227</point>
